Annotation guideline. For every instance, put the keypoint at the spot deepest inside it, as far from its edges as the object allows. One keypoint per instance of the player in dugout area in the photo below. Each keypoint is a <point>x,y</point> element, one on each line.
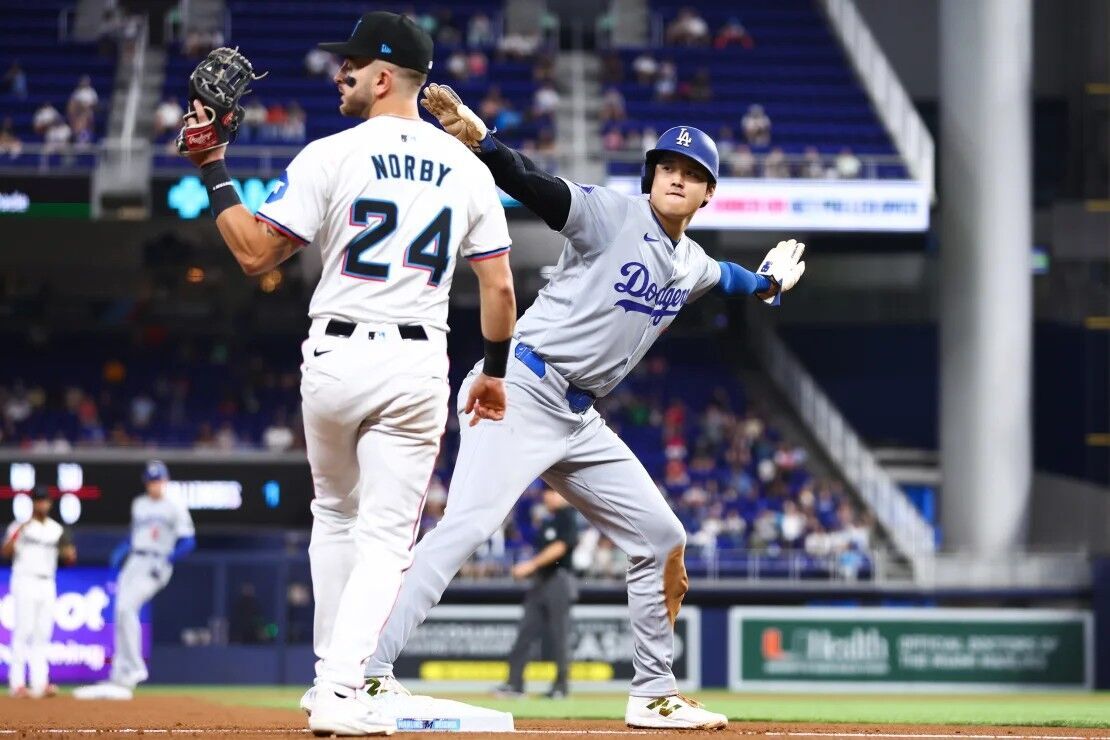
<point>35,547</point>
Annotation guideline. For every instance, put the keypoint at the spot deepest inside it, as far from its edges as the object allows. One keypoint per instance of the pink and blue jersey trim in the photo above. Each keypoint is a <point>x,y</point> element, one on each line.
<point>489,255</point>
<point>280,227</point>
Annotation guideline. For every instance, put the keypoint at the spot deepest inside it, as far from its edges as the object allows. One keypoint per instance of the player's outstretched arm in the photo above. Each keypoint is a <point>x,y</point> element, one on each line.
<point>8,548</point>
<point>779,271</point>
<point>257,246</point>
<point>541,192</point>
<point>495,283</point>
<point>67,551</point>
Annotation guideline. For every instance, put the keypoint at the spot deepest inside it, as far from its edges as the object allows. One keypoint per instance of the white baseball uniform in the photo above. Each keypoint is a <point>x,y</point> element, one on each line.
<point>33,589</point>
<point>390,203</point>
<point>156,526</point>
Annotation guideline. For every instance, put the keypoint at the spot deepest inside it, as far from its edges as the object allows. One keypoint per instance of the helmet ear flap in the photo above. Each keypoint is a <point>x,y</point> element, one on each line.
<point>647,173</point>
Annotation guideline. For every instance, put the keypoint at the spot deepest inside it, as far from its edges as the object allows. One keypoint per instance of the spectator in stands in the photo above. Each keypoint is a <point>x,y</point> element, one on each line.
<point>508,118</point>
<point>775,165</point>
<point>198,42</point>
<point>457,66</point>
<point>9,142</point>
<point>447,31</point>
<point>45,117</point>
<point>613,139</point>
<point>612,69</point>
<point>612,106</point>
<point>226,438</point>
<point>83,99</point>
<point>648,139</point>
<point>543,71</point>
<point>645,67</point>
<point>700,89</point>
<point>741,162</point>
<point>167,117</point>
<point>792,525</point>
<point>848,165</point>
<point>254,119</point>
<point>687,29</point>
<point>81,129</point>
<point>319,63</point>
<point>492,104</point>
<point>296,121</point>
<point>757,126</point>
<point>479,31</point>
<point>477,63</point>
<point>276,118</point>
<point>519,46</point>
<point>15,81</point>
<point>666,81</point>
<point>544,102</point>
<point>278,436</point>
<point>812,166</point>
<point>733,33</point>
<point>547,150</point>
<point>57,137</point>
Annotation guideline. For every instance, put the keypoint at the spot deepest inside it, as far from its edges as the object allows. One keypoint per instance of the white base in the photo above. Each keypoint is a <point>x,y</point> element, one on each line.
<point>429,714</point>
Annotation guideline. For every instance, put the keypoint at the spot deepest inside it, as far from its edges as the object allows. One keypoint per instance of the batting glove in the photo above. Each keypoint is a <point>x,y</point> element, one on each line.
<point>782,267</point>
<point>453,115</point>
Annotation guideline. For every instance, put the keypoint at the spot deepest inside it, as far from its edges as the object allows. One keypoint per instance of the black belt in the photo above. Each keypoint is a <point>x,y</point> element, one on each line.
<point>151,554</point>
<point>337,328</point>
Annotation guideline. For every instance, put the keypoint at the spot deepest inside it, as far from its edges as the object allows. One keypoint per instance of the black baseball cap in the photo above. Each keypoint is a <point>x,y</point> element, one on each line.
<point>389,37</point>
<point>40,493</point>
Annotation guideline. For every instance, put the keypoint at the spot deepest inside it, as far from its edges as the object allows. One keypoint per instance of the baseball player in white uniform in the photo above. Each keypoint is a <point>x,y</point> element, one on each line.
<point>35,547</point>
<point>390,203</point>
<point>626,271</point>
<point>161,534</point>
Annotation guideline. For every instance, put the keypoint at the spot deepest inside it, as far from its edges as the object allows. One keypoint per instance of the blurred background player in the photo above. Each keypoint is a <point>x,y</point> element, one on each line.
<point>547,603</point>
<point>161,534</point>
<point>35,547</point>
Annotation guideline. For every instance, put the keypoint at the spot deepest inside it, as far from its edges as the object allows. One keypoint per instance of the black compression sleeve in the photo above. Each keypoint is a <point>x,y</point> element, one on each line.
<point>544,194</point>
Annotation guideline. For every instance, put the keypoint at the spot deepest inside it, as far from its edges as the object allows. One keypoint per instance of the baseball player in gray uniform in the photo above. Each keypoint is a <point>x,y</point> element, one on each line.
<point>161,534</point>
<point>624,274</point>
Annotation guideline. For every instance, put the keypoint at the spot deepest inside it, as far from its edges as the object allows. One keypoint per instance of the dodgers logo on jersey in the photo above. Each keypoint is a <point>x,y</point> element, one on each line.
<point>658,302</point>
<point>280,186</point>
<point>684,137</point>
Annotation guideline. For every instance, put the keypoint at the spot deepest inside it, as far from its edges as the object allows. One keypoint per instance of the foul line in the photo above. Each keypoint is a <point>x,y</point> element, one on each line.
<point>293,731</point>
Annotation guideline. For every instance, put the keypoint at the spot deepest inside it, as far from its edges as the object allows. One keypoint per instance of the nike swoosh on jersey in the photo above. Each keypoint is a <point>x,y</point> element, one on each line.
<point>317,353</point>
<point>649,238</point>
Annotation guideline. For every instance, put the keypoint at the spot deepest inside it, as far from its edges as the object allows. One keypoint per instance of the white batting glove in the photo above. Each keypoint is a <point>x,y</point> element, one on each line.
<point>453,115</point>
<point>782,267</point>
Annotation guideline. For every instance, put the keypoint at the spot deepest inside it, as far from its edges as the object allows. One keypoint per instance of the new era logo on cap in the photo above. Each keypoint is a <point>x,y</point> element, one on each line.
<point>386,49</point>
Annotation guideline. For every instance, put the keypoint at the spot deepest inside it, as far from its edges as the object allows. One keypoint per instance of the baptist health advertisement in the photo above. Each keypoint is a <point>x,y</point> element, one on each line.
<point>82,644</point>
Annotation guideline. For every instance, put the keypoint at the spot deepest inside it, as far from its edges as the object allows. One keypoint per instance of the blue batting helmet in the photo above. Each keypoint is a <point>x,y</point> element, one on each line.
<point>687,140</point>
<point>155,470</point>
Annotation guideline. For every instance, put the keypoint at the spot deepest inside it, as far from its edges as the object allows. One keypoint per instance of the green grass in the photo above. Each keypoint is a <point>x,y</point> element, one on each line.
<point>1055,710</point>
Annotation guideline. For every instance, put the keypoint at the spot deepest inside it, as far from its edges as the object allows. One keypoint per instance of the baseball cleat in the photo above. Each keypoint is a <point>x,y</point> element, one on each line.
<point>505,691</point>
<point>347,716</point>
<point>308,700</point>
<point>103,690</point>
<point>378,687</point>
<point>675,712</point>
<point>19,692</point>
<point>50,690</point>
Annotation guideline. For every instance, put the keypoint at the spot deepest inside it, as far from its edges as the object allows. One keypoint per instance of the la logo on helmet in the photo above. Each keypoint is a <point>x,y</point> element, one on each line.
<point>683,137</point>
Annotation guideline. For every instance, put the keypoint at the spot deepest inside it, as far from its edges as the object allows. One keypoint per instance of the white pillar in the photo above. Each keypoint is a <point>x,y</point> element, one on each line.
<point>986,284</point>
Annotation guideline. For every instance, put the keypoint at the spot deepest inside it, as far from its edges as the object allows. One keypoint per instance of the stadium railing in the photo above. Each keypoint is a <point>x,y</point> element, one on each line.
<point>872,166</point>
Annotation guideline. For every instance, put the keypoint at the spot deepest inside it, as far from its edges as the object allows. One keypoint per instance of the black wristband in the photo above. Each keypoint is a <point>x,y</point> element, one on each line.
<point>221,191</point>
<point>497,358</point>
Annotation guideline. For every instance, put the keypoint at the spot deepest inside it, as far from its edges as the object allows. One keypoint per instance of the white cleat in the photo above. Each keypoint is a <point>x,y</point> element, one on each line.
<point>675,712</point>
<point>308,700</point>
<point>351,716</point>
<point>104,690</point>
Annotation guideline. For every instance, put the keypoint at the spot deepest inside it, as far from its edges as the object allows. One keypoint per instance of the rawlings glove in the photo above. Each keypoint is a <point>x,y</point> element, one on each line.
<point>218,82</point>
<point>455,117</point>
<point>782,267</point>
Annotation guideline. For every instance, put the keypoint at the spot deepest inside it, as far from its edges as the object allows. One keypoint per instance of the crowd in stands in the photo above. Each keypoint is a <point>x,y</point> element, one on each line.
<point>56,129</point>
<point>733,480</point>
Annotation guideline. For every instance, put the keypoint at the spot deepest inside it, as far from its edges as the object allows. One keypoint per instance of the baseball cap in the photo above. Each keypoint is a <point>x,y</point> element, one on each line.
<point>155,470</point>
<point>389,37</point>
<point>40,493</point>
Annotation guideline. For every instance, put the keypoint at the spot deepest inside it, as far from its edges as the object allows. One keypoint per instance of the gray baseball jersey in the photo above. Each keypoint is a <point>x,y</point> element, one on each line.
<point>619,284</point>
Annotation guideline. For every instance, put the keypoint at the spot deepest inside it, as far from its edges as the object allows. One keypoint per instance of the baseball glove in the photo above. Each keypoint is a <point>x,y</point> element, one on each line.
<point>218,82</point>
<point>455,117</point>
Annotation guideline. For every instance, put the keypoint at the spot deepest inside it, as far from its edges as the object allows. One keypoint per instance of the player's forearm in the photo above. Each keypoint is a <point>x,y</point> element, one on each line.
<point>8,549</point>
<point>69,555</point>
<point>542,193</point>
<point>498,310</point>
<point>550,554</point>
<point>735,280</point>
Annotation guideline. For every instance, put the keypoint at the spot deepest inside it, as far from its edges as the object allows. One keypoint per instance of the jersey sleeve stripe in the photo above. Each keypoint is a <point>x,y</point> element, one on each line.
<point>479,256</point>
<point>283,229</point>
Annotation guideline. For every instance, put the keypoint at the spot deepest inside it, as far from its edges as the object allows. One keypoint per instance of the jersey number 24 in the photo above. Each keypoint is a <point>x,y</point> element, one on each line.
<point>430,251</point>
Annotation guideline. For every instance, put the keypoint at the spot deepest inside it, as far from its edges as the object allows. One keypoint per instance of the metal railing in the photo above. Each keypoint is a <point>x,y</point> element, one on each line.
<point>134,93</point>
<point>56,159</point>
<point>909,532</point>
<point>885,90</point>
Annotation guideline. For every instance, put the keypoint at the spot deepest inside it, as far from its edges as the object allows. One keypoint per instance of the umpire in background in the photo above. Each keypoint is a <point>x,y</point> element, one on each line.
<point>547,603</point>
